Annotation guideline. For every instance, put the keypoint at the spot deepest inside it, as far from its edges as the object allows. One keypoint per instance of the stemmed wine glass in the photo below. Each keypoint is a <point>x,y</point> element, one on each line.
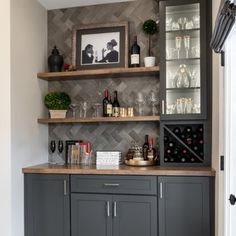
<point>60,146</point>
<point>187,44</point>
<point>182,22</point>
<point>154,102</point>
<point>140,101</point>
<point>83,109</point>
<point>53,149</point>
<point>178,41</point>
<point>73,107</point>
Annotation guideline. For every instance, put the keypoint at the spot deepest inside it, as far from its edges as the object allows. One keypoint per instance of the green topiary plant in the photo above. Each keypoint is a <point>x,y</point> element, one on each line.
<point>57,101</point>
<point>150,28</point>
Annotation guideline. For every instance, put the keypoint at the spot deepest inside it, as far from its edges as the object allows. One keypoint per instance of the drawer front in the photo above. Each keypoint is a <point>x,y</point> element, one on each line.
<point>144,185</point>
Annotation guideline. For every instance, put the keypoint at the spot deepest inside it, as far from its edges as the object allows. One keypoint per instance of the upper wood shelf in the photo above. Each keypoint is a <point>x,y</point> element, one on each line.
<point>98,119</point>
<point>100,73</point>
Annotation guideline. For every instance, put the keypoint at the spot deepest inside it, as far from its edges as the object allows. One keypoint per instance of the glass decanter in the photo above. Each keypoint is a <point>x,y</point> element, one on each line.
<point>182,77</point>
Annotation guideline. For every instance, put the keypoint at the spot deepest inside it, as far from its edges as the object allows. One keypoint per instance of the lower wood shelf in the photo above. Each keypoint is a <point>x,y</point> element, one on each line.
<point>98,119</point>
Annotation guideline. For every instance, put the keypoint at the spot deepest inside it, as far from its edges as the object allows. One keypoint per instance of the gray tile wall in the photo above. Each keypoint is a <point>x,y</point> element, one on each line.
<point>104,136</point>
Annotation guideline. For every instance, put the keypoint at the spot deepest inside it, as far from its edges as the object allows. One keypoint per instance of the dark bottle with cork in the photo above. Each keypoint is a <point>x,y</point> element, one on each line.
<point>55,61</point>
<point>145,148</point>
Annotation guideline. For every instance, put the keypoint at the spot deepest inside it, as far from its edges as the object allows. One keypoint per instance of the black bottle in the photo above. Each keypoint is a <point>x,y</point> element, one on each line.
<point>55,61</point>
<point>145,148</point>
<point>115,106</point>
<point>105,103</point>
<point>135,54</point>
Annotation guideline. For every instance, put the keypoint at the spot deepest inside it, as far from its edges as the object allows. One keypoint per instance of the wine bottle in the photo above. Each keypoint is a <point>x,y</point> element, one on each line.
<point>135,54</point>
<point>145,148</point>
<point>105,102</point>
<point>109,107</point>
<point>171,144</point>
<point>166,139</point>
<point>115,106</point>
<point>151,150</point>
<point>177,131</point>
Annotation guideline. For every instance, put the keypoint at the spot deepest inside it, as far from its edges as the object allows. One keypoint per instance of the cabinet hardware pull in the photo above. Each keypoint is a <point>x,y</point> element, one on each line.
<point>108,209</point>
<point>111,185</point>
<point>163,107</point>
<point>114,210</point>
<point>65,187</point>
<point>161,191</point>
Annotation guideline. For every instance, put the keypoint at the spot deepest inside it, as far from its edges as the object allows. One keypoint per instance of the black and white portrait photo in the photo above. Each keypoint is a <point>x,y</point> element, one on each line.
<point>100,46</point>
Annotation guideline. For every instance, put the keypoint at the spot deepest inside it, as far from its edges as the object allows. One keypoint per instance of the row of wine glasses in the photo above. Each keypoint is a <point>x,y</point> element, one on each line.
<point>53,145</point>
<point>178,44</point>
<point>182,23</point>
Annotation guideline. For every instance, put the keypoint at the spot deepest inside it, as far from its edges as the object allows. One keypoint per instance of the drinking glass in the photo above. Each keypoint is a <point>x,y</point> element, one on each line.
<point>187,45</point>
<point>83,109</point>
<point>196,21</point>
<point>140,102</point>
<point>73,107</point>
<point>60,146</point>
<point>53,149</point>
<point>97,109</point>
<point>182,22</point>
<point>168,23</point>
<point>154,102</point>
<point>178,41</point>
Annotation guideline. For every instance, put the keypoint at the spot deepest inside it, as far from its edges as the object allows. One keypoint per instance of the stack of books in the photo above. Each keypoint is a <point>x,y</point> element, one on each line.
<point>108,157</point>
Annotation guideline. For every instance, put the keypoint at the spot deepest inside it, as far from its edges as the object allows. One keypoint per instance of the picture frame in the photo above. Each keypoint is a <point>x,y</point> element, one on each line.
<point>100,46</point>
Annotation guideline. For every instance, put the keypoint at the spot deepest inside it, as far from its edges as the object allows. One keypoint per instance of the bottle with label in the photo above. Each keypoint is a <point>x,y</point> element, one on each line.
<point>145,148</point>
<point>105,102</point>
<point>151,150</point>
<point>109,107</point>
<point>135,54</point>
<point>115,106</point>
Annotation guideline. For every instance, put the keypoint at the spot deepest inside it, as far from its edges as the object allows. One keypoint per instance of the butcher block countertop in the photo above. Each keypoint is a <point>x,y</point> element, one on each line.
<point>119,170</point>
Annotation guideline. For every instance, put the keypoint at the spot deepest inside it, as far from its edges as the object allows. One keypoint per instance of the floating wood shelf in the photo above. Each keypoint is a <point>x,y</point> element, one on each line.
<point>99,73</point>
<point>98,119</point>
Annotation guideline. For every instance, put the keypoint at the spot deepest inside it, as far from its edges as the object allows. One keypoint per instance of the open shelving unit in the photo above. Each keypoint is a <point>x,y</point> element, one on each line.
<point>98,119</point>
<point>99,73</point>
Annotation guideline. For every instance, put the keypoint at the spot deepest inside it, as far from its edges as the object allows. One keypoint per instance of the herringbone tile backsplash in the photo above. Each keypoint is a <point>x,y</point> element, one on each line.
<point>104,136</point>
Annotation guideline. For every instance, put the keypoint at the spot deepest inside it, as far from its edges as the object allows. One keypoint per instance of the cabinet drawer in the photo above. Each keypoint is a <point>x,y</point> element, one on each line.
<point>145,185</point>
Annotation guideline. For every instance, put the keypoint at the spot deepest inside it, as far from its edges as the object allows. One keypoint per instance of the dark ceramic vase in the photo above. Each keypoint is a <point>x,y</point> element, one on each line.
<point>55,61</point>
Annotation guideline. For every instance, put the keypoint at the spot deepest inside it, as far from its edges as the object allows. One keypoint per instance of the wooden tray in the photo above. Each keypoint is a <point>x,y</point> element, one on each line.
<point>132,162</point>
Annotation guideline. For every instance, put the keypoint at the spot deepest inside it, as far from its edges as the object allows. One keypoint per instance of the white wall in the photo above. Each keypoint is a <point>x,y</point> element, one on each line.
<point>28,138</point>
<point>217,133</point>
<point>5,157</point>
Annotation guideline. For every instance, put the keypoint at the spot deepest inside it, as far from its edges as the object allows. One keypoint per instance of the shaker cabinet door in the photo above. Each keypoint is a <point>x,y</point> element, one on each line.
<point>47,205</point>
<point>91,215</point>
<point>184,206</point>
<point>134,215</point>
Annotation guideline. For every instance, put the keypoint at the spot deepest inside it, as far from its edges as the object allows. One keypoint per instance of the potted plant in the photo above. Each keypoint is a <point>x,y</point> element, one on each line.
<point>57,103</point>
<point>150,28</point>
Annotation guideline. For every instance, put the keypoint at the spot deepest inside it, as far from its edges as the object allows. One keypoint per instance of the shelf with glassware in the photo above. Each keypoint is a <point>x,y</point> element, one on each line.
<point>183,61</point>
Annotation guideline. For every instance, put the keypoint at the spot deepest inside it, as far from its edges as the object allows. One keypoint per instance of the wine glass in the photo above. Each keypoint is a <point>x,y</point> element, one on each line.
<point>83,109</point>
<point>97,109</point>
<point>140,101</point>
<point>182,22</point>
<point>73,107</point>
<point>53,149</point>
<point>187,44</point>
<point>178,41</point>
<point>154,102</point>
<point>60,146</point>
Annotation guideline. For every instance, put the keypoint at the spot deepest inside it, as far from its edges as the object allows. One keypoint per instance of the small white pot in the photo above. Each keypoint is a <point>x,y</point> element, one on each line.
<point>149,61</point>
<point>57,114</point>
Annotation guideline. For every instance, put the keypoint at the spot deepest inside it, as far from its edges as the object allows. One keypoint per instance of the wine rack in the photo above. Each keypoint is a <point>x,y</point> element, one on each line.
<point>183,144</point>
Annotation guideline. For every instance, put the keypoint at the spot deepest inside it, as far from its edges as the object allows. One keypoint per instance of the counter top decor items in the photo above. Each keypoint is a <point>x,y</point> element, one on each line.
<point>150,28</point>
<point>55,61</point>
<point>58,103</point>
<point>100,46</point>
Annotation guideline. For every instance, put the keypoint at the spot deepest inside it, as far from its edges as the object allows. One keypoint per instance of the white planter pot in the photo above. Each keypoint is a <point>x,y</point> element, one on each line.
<point>57,114</point>
<point>149,61</point>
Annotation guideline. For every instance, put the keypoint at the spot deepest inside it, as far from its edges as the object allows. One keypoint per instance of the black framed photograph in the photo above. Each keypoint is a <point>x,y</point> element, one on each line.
<point>100,46</point>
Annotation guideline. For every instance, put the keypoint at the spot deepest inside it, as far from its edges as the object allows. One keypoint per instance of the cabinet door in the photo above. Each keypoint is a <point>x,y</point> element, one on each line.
<point>184,206</point>
<point>134,215</point>
<point>185,61</point>
<point>91,215</point>
<point>47,205</point>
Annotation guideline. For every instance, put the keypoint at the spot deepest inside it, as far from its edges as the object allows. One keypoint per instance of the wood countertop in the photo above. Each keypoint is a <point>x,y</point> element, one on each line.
<point>119,170</point>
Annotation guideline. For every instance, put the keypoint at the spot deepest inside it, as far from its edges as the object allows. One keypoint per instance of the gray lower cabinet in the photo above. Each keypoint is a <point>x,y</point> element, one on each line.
<point>184,206</point>
<point>47,205</point>
<point>113,215</point>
